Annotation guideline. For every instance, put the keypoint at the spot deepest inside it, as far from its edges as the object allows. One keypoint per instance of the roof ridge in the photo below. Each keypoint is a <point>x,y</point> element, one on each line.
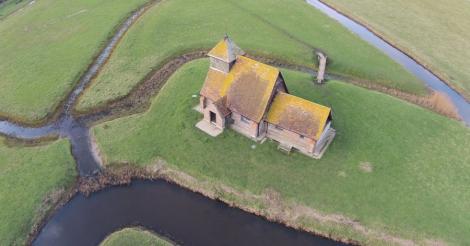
<point>298,115</point>
<point>305,100</point>
<point>226,50</point>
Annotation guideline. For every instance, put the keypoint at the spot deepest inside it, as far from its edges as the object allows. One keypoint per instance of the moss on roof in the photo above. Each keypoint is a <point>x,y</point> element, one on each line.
<point>298,115</point>
<point>252,87</point>
<point>216,85</point>
<point>226,50</point>
<point>248,87</point>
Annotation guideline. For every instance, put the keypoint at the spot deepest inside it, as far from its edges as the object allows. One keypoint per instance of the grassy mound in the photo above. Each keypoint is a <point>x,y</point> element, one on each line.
<point>45,47</point>
<point>31,178</point>
<point>393,166</point>
<point>134,236</point>
<point>288,31</point>
<point>424,30</point>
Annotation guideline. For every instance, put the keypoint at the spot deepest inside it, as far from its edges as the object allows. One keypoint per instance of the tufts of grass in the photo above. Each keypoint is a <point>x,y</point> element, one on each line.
<point>414,186</point>
<point>286,30</point>
<point>31,180</point>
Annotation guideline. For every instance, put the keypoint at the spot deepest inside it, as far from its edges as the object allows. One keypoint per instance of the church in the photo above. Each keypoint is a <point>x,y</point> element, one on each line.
<point>252,98</point>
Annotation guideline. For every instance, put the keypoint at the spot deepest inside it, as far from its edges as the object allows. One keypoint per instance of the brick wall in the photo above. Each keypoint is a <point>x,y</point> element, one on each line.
<point>246,127</point>
<point>287,137</point>
<point>209,106</point>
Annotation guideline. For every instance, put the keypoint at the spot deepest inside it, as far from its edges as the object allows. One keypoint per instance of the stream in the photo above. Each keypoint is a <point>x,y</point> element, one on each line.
<point>431,80</point>
<point>183,216</point>
<point>179,214</point>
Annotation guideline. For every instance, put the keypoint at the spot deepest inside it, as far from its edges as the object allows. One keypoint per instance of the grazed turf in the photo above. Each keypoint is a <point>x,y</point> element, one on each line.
<point>27,176</point>
<point>287,30</point>
<point>393,166</point>
<point>434,31</point>
<point>46,46</point>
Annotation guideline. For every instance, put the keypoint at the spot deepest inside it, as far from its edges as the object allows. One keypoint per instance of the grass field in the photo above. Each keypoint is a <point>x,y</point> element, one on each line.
<point>45,47</point>
<point>9,6</point>
<point>134,236</point>
<point>435,32</point>
<point>393,166</point>
<point>27,176</point>
<point>287,30</point>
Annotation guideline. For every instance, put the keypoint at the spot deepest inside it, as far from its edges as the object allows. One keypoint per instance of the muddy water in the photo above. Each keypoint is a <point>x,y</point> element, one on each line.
<point>179,214</point>
<point>407,62</point>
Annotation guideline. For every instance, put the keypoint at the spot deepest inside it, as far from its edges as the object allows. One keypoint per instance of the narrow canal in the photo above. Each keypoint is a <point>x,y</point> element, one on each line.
<point>401,58</point>
<point>181,215</point>
<point>185,217</point>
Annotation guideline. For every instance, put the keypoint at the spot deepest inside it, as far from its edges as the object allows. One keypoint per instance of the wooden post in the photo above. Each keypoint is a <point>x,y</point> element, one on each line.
<point>321,66</point>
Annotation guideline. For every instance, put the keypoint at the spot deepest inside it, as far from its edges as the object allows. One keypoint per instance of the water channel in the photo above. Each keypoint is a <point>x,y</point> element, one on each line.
<point>397,55</point>
<point>181,215</point>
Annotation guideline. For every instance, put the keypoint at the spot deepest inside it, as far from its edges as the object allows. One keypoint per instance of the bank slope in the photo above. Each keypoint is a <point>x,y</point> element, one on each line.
<point>285,30</point>
<point>46,46</point>
<point>134,236</point>
<point>31,178</point>
<point>393,167</point>
<point>435,33</point>
<point>8,7</point>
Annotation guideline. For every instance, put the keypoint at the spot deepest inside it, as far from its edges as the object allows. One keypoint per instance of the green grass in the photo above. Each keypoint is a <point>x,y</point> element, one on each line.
<point>46,46</point>
<point>134,236</point>
<point>9,6</point>
<point>27,176</point>
<point>434,31</point>
<point>287,30</point>
<point>418,187</point>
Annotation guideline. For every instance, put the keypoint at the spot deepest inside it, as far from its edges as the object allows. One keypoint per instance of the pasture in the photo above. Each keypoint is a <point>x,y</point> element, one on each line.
<point>45,47</point>
<point>31,180</point>
<point>434,32</point>
<point>393,167</point>
<point>263,27</point>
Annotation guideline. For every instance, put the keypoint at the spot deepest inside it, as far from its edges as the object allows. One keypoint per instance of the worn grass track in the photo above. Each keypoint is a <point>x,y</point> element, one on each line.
<point>175,27</point>
<point>348,100</point>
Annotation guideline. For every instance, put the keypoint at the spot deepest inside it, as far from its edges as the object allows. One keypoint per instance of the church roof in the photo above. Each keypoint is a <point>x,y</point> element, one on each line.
<point>226,50</point>
<point>247,87</point>
<point>298,115</point>
<point>252,86</point>
<point>216,85</point>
